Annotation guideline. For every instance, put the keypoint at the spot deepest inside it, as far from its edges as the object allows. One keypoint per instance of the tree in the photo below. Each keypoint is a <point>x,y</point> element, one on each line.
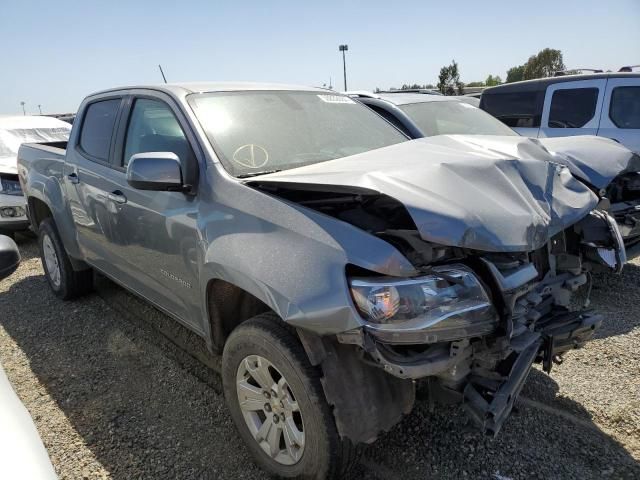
<point>449,80</point>
<point>492,81</point>
<point>544,64</point>
<point>410,87</point>
<point>413,86</point>
<point>474,84</point>
<point>515,74</point>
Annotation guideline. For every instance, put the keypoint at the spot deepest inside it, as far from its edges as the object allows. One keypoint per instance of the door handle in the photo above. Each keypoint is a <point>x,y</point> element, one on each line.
<point>73,178</point>
<point>117,197</point>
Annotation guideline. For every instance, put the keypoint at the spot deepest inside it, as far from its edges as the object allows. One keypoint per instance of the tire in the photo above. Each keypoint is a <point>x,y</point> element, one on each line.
<point>265,341</point>
<point>65,282</point>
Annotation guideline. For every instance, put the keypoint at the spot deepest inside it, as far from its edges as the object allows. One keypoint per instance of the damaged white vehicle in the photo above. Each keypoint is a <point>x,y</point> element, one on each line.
<point>332,261</point>
<point>14,131</point>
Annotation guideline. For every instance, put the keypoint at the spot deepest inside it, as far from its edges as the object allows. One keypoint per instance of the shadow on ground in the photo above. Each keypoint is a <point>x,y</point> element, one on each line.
<point>148,408</point>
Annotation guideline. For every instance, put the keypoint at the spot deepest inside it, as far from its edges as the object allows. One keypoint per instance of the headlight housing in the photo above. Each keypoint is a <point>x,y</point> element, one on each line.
<point>10,185</point>
<point>449,304</point>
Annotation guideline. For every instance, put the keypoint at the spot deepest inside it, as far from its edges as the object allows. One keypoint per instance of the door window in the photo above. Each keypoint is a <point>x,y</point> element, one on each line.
<point>154,128</point>
<point>624,109</point>
<point>572,107</point>
<point>97,128</point>
<point>516,109</point>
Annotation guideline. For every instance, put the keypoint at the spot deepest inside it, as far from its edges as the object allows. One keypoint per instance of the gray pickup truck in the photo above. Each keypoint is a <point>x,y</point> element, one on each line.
<point>331,260</point>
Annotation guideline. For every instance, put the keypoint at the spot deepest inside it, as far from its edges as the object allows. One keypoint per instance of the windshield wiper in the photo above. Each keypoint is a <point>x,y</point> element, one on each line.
<point>255,174</point>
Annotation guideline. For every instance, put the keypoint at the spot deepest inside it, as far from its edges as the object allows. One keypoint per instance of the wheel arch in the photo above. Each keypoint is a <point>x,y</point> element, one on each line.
<point>229,303</point>
<point>40,209</point>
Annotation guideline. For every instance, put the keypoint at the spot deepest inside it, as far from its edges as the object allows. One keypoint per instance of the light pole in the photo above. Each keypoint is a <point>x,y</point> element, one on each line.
<point>23,112</point>
<point>40,109</point>
<point>344,48</point>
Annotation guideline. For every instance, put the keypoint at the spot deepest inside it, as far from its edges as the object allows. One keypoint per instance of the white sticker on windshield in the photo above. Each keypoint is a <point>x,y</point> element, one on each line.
<point>335,99</point>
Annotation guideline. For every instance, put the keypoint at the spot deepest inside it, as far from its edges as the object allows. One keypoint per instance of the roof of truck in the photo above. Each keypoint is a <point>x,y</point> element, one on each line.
<point>542,83</point>
<point>404,98</point>
<point>185,88</point>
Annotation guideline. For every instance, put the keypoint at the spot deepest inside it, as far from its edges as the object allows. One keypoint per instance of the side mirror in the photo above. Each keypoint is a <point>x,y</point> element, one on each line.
<point>9,256</point>
<point>158,171</point>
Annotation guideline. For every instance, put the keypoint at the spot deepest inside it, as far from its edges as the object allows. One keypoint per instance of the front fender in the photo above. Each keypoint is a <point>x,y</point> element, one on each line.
<point>294,259</point>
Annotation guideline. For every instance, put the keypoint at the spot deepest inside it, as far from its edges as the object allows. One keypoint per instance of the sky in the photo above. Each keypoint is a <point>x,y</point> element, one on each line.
<point>53,53</point>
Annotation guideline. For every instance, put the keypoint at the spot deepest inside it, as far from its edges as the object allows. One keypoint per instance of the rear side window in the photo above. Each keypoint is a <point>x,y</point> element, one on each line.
<point>97,128</point>
<point>516,109</point>
<point>572,107</point>
<point>624,110</point>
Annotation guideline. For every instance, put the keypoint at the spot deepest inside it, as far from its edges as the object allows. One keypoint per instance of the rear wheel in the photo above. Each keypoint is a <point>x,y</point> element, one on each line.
<point>65,282</point>
<point>278,405</point>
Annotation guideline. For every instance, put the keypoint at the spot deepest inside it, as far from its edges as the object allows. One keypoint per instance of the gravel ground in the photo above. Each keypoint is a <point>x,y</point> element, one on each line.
<point>113,397</point>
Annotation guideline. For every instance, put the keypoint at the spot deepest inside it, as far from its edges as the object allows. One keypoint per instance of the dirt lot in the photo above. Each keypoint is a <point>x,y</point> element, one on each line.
<point>113,397</point>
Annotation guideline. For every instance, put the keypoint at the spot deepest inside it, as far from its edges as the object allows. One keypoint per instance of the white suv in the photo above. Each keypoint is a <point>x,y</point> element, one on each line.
<point>603,104</point>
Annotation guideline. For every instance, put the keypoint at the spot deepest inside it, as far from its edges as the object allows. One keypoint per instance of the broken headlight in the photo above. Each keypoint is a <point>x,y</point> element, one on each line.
<point>448,304</point>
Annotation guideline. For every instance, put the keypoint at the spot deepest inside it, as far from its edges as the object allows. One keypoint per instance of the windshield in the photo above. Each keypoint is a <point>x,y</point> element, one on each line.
<point>254,132</point>
<point>454,118</point>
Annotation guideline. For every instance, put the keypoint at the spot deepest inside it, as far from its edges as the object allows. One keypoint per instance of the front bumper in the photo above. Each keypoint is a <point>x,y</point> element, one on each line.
<point>489,400</point>
<point>13,213</point>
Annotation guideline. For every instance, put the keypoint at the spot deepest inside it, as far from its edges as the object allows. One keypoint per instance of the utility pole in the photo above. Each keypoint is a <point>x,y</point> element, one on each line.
<point>23,111</point>
<point>344,48</point>
<point>40,109</point>
<point>162,73</point>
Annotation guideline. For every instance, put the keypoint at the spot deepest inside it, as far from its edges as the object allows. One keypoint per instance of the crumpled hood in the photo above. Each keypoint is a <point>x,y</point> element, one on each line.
<point>596,160</point>
<point>460,193</point>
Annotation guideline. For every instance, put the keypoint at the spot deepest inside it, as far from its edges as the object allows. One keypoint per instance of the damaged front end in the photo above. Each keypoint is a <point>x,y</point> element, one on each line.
<point>474,327</point>
<point>623,196</point>
<point>501,247</point>
<point>612,172</point>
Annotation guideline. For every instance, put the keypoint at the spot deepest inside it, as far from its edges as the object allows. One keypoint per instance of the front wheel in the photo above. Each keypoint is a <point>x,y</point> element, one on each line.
<point>65,282</point>
<point>278,405</point>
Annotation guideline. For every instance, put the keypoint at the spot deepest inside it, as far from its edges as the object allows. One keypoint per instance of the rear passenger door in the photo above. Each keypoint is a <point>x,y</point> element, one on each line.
<point>572,108</point>
<point>620,118</point>
<point>90,180</point>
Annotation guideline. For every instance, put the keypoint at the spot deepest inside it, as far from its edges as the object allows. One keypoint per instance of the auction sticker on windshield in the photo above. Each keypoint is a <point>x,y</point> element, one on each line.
<point>335,99</point>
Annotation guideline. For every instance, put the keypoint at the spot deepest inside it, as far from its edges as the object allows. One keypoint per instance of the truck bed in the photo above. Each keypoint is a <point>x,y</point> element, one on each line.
<point>57,148</point>
<point>39,164</point>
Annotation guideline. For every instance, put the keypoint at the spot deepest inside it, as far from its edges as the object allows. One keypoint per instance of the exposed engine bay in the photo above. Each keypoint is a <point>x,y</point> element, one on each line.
<point>529,315</point>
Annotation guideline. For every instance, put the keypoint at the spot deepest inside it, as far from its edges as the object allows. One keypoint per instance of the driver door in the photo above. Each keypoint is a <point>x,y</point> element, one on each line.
<point>572,108</point>
<point>156,231</point>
